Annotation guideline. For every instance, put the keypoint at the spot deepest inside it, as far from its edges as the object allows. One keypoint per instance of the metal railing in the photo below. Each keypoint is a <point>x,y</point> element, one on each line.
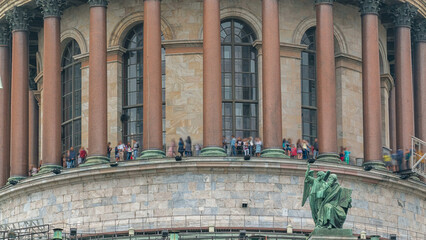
<point>418,156</point>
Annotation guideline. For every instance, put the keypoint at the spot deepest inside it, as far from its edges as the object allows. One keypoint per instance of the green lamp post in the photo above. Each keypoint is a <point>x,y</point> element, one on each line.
<point>57,234</point>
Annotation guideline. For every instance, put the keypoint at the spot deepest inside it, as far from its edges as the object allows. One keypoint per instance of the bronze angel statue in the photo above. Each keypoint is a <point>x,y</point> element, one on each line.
<point>328,200</point>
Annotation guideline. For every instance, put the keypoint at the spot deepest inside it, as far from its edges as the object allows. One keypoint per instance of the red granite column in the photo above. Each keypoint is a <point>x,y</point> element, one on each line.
<point>271,80</point>
<point>420,78</point>
<point>4,105</point>
<point>51,136</point>
<point>371,85</point>
<point>403,74</point>
<point>212,80</point>
<point>152,102</point>
<point>97,83</point>
<point>18,19</point>
<point>326,77</point>
<point>33,130</point>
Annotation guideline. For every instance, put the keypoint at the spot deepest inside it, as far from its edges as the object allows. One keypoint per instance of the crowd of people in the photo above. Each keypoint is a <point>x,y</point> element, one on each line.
<point>72,158</point>
<point>124,151</point>
<point>183,148</point>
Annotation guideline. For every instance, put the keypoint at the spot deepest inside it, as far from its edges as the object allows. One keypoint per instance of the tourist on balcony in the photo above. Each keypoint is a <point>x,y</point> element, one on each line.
<point>316,148</point>
<point>293,152</point>
<point>258,145</point>
<point>121,149</point>
<point>135,149</point>
<point>342,153</point>
<point>181,148</point>
<point>288,147</point>
<point>225,144</point>
<point>197,149</point>
<point>82,155</point>
<point>71,157</point>
<point>233,146</point>
<point>188,147</point>
<point>171,150</point>
<point>33,170</point>
<point>299,149</point>
<point>246,147</point>
<point>129,151</point>
<point>347,153</point>
<point>251,145</point>
<point>399,159</point>
<point>109,149</point>
<point>239,146</point>
<point>305,149</point>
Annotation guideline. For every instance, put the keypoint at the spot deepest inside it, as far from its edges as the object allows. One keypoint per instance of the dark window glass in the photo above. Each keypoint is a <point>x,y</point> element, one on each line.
<point>309,87</point>
<point>133,85</point>
<point>239,80</point>
<point>71,97</point>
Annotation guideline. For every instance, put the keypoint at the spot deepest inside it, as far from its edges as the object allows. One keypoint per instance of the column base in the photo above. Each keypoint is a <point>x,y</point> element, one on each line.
<point>378,165</point>
<point>334,233</point>
<point>149,154</point>
<point>329,157</point>
<point>48,168</point>
<point>273,153</point>
<point>213,152</point>
<point>14,180</point>
<point>94,160</point>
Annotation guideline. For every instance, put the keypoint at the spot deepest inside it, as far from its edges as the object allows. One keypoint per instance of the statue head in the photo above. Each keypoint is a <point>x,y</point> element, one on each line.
<point>332,178</point>
<point>320,174</point>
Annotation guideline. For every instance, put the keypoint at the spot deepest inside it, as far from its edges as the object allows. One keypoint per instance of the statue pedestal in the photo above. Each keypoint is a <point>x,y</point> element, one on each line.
<point>334,233</point>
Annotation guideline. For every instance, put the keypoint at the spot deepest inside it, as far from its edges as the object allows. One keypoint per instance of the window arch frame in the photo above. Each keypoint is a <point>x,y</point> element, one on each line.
<point>234,100</point>
<point>137,28</point>
<point>72,48</point>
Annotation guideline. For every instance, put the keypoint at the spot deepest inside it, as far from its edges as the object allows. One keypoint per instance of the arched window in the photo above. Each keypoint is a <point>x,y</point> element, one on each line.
<point>309,87</point>
<point>71,97</point>
<point>239,79</point>
<point>133,85</point>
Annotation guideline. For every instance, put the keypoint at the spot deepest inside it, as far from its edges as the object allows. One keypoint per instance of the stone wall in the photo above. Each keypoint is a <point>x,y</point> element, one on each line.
<point>169,194</point>
<point>182,24</point>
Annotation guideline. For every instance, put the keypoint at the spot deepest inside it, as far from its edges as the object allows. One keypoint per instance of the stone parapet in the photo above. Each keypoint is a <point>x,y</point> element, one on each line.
<point>165,194</point>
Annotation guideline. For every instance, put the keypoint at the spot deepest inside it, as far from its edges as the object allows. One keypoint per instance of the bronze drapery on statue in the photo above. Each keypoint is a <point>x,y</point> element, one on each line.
<point>328,200</point>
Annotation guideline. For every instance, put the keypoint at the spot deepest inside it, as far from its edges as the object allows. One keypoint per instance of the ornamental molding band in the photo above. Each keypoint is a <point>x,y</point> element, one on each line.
<point>403,14</point>
<point>369,6</point>
<point>4,34</point>
<point>98,3</point>
<point>324,2</point>
<point>420,31</point>
<point>19,18</point>
<point>51,8</point>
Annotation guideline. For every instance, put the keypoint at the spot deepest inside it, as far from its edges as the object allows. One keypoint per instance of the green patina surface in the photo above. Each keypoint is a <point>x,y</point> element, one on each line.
<point>213,152</point>
<point>273,153</point>
<point>328,200</point>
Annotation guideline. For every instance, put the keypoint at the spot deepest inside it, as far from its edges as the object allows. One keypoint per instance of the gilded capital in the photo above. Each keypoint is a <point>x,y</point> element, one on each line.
<point>419,29</point>
<point>370,6</point>
<point>51,8</point>
<point>19,18</point>
<point>98,3</point>
<point>324,1</point>
<point>4,34</point>
<point>403,14</point>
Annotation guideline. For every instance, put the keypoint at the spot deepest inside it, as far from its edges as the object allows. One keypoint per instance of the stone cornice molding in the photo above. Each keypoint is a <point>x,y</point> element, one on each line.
<point>98,3</point>
<point>317,2</point>
<point>386,81</point>
<point>51,8</point>
<point>167,44</point>
<point>420,31</point>
<point>403,14</point>
<point>4,34</point>
<point>130,169</point>
<point>289,50</point>
<point>19,18</point>
<point>370,6</point>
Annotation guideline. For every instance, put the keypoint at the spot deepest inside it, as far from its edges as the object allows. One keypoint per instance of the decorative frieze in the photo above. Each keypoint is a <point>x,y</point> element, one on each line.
<point>4,34</point>
<point>19,18</point>
<point>98,3</point>
<point>370,6</point>
<point>51,8</point>
<point>324,1</point>
<point>419,29</point>
<point>403,14</point>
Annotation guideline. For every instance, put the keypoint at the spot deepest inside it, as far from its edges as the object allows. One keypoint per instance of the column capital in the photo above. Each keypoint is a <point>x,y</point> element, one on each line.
<point>98,3</point>
<point>19,18</point>
<point>403,14</point>
<point>420,31</point>
<point>370,6</point>
<point>4,34</point>
<point>51,8</point>
<point>317,2</point>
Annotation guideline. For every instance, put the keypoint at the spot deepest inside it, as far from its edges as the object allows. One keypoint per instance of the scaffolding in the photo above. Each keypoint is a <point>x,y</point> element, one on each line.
<point>418,156</point>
